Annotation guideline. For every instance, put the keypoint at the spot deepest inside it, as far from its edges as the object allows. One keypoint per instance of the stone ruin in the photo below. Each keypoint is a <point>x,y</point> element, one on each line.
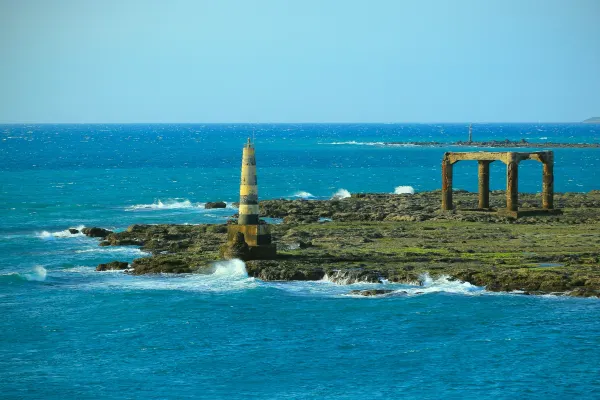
<point>512,160</point>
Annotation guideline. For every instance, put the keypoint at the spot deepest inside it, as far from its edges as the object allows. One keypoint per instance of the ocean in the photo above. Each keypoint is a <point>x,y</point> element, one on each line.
<point>71,332</point>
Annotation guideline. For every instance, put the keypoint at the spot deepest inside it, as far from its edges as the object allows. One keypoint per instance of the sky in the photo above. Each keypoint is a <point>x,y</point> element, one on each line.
<point>128,61</point>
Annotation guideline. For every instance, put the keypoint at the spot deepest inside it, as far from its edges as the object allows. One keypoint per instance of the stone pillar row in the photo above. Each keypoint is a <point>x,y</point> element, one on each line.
<point>512,182</point>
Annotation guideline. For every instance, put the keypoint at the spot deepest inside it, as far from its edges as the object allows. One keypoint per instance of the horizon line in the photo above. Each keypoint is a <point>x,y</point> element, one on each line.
<point>295,123</point>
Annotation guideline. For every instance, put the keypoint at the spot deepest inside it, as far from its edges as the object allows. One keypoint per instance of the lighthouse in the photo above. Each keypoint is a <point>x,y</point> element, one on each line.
<point>249,231</point>
<point>248,211</point>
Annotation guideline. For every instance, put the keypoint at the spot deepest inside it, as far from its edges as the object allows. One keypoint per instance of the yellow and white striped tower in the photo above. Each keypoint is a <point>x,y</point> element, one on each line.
<point>248,210</point>
<point>256,233</point>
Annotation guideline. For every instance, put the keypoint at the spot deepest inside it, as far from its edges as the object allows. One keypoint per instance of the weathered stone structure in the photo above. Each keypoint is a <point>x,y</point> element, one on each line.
<point>511,159</point>
<point>256,234</point>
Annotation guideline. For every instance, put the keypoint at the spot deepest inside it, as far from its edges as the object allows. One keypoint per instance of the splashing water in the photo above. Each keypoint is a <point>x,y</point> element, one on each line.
<point>230,269</point>
<point>303,195</point>
<point>169,204</point>
<point>341,194</point>
<point>404,190</point>
<point>38,274</point>
<point>61,234</point>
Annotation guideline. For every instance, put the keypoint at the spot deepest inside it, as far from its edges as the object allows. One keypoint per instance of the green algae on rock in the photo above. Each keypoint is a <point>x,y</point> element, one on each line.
<point>400,238</point>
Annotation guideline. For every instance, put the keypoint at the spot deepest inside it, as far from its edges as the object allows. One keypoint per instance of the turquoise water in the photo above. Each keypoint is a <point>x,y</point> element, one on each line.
<point>71,332</point>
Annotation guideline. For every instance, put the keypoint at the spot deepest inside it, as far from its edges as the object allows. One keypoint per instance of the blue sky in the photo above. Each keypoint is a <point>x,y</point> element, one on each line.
<point>299,61</point>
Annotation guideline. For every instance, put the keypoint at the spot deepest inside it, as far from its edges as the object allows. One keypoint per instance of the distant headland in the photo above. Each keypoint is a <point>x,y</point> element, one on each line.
<point>593,120</point>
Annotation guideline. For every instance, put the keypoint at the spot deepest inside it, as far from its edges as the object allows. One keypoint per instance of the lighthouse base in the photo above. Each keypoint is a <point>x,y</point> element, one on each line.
<point>255,245</point>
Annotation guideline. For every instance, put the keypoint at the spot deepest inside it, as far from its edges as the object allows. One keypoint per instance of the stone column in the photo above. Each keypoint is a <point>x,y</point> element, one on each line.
<point>484,184</point>
<point>548,182</point>
<point>512,182</point>
<point>446,185</point>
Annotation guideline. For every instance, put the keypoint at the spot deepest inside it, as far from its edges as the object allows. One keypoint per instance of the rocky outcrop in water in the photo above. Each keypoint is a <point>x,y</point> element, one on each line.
<point>215,204</point>
<point>400,238</point>
<point>370,292</point>
<point>111,266</point>
<point>96,232</point>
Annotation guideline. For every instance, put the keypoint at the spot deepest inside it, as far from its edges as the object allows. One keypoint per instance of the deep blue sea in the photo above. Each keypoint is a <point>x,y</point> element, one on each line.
<point>67,331</point>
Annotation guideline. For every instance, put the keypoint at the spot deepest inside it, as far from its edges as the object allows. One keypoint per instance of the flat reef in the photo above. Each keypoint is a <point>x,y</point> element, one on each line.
<point>499,144</point>
<point>369,237</point>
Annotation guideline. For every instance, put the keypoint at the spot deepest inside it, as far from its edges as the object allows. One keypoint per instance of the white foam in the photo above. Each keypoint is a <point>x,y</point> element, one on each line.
<point>231,269</point>
<point>169,204</point>
<point>446,285</point>
<point>341,194</point>
<point>60,234</point>
<point>404,190</point>
<point>133,251</point>
<point>303,195</point>
<point>354,142</point>
<point>227,276</point>
<point>38,274</point>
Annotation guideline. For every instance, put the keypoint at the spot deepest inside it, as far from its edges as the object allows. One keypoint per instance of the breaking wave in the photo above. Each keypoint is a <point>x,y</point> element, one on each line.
<point>354,142</point>
<point>60,234</point>
<point>125,250</point>
<point>445,284</point>
<point>172,204</point>
<point>404,190</point>
<point>169,204</point>
<point>386,144</point>
<point>227,276</point>
<point>341,194</point>
<point>303,195</point>
<point>230,269</point>
<point>37,274</point>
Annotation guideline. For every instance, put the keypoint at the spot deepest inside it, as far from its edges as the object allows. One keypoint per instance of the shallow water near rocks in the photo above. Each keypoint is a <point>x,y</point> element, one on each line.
<point>71,332</point>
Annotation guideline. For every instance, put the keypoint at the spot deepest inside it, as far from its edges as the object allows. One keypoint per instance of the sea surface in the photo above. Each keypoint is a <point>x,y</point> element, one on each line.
<point>67,331</point>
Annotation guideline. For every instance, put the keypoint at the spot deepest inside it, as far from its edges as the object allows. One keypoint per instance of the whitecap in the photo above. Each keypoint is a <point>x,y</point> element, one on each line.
<point>444,284</point>
<point>133,251</point>
<point>38,274</point>
<point>341,194</point>
<point>227,276</point>
<point>169,204</point>
<point>404,190</point>
<point>60,234</point>
<point>303,195</point>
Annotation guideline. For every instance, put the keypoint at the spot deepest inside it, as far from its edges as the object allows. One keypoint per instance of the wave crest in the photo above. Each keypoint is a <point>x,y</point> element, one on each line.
<point>168,204</point>
<point>303,195</point>
<point>404,190</point>
<point>341,194</point>
<point>230,269</point>
<point>60,234</point>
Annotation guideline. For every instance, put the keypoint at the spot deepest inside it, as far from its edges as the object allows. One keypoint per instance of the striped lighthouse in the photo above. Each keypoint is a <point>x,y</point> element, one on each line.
<point>257,234</point>
<point>248,211</point>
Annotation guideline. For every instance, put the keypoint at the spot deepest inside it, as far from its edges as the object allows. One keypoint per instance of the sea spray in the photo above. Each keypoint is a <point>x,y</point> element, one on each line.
<point>38,274</point>
<point>341,194</point>
<point>303,195</point>
<point>169,204</point>
<point>404,190</point>
<point>445,284</point>
<point>235,268</point>
<point>61,234</point>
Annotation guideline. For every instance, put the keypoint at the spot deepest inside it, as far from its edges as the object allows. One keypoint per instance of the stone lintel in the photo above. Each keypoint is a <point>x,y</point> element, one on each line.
<point>505,157</point>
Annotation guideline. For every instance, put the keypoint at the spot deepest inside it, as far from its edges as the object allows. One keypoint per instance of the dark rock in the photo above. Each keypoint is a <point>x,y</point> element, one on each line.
<point>238,248</point>
<point>349,276</point>
<point>111,266</point>
<point>370,292</point>
<point>73,231</point>
<point>96,232</point>
<point>215,204</point>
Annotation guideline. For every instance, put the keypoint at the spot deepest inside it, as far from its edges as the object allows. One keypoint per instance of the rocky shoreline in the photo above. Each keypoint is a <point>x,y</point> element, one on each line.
<point>400,238</point>
<point>499,143</point>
